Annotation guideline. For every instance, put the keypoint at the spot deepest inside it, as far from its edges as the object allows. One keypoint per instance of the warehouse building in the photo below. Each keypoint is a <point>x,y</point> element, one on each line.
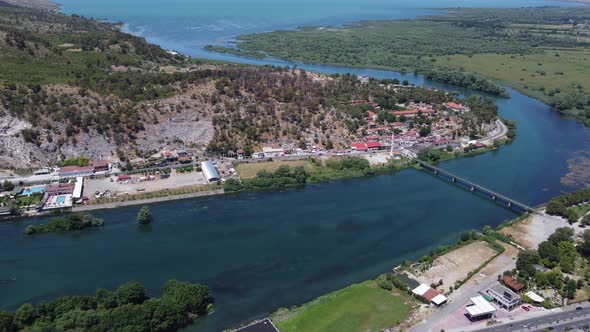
<point>210,172</point>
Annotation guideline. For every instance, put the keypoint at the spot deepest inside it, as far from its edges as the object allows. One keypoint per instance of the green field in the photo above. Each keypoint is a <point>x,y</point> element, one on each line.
<point>360,307</point>
<point>538,75</point>
<point>249,170</point>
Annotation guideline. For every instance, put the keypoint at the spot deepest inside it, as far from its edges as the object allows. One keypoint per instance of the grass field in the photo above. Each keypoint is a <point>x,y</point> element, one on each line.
<point>360,307</point>
<point>249,170</point>
<point>534,74</point>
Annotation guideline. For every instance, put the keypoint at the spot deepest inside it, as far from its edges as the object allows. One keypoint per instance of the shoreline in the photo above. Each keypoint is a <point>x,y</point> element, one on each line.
<point>114,205</point>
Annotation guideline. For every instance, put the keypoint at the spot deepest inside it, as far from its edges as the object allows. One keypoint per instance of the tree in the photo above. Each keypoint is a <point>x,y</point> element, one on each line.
<point>144,216</point>
<point>193,298</point>
<point>525,261</point>
<point>562,234</point>
<point>549,254</point>
<point>130,293</point>
<point>7,186</point>
<point>105,299</point>
<point>24,316</point>
<point>6,324</point>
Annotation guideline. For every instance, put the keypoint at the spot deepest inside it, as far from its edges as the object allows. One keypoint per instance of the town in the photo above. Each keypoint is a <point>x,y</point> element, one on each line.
<point>386,135</point>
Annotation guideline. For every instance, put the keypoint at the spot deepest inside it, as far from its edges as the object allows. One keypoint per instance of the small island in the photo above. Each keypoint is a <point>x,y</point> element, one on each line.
<point>72,222</point>
<point>126,309</point>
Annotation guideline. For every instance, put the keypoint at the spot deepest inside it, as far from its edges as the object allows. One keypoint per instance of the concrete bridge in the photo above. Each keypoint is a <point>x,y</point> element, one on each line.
<point>474,187</point>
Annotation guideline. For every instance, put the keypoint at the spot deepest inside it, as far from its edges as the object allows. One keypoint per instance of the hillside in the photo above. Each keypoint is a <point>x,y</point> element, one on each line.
<point>73,86</point>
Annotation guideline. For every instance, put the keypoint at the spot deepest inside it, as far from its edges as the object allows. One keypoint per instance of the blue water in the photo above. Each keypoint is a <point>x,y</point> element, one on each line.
<point>33,190</point>
<point>262,251</point>
<point>189,25</point>
<point>60,199</point>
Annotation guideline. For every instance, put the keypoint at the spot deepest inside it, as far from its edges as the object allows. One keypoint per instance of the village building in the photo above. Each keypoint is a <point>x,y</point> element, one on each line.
<point>269,152</point>
<point>504,297</point>
<point>100,165</point>
<point>429,295</point>
<point>512,283</point>
<point>75,171</point>
<point>60,189</point>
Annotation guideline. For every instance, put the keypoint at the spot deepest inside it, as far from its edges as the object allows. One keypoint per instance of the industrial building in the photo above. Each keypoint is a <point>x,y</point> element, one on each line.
<point>480,309</point>
<point>210,172</point>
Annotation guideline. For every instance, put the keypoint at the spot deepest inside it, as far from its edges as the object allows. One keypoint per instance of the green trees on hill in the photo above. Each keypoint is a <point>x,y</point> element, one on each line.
<point>126,309</point>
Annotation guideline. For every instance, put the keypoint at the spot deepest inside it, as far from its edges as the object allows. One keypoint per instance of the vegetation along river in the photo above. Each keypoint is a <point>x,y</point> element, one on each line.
<point>260,251</point>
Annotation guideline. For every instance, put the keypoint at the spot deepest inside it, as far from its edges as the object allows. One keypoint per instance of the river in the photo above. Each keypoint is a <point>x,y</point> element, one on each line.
<point>265,250</point>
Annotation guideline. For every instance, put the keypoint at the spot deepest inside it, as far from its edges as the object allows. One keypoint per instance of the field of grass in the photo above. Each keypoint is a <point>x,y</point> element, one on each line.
<point>249,170</point>
<point>360,307</point>
<point>534,74</point>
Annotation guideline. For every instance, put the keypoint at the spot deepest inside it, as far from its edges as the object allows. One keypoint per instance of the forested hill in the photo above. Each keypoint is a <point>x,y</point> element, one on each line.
<point>542,52</point>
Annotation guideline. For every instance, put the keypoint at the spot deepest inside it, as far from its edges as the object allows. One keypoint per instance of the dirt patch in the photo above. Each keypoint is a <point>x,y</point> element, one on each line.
<point>534,230</point>
<point>455,265</point>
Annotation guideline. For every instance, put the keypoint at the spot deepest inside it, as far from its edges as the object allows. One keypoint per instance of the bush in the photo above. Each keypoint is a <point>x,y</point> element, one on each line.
<point>144,216</point>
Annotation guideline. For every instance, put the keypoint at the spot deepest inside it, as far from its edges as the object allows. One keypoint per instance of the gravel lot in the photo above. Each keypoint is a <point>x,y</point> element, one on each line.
<point>176,180</point>
<point>457,264</point>
<point>536,229</point>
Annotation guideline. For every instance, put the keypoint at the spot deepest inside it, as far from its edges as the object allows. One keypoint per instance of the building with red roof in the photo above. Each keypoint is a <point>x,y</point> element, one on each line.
<point>359,146</point>
<point>100,165</point>
<point>373,146</point>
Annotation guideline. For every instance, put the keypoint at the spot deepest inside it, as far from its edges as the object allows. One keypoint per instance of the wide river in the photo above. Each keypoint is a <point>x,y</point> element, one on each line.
<point>262,251</point>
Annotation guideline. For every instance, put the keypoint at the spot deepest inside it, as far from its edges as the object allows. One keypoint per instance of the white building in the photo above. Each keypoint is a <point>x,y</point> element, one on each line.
<point>210,172</point>
<point>272,152</point>
<point>480,308</point>
<point>78,188</point>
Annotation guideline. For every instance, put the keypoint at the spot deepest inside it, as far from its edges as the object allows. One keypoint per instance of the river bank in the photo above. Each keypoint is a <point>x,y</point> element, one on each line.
<point>254,248</point>
<point>114,205</point>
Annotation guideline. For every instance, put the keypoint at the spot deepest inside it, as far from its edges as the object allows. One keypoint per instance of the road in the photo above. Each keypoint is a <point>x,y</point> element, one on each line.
<point>500,131</point>
<point>569,317</point>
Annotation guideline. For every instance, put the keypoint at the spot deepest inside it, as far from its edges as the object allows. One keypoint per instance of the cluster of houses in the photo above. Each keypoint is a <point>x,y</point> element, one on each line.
<point>405,139</point>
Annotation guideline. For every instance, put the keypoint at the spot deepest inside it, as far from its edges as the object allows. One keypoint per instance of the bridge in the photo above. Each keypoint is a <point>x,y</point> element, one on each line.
<point>474,187</point>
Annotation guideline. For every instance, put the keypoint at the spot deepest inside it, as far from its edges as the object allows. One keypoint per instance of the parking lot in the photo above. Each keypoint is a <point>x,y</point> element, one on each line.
<point>176,180</point>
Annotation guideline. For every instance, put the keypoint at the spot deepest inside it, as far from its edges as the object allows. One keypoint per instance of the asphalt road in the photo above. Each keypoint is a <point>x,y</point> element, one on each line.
<point>559,321</point>
<point>500,131</point>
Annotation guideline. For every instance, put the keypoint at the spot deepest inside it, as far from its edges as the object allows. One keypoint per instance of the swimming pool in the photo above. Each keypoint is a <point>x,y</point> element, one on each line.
<point>60,199</point>
<point>33,190</point>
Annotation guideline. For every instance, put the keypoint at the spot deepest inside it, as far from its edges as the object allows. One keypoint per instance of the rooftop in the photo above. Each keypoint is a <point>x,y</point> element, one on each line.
<point>479,306</point>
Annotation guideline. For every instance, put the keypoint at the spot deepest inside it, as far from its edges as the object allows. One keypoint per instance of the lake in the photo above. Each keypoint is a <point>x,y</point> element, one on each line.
<point>264,250</point>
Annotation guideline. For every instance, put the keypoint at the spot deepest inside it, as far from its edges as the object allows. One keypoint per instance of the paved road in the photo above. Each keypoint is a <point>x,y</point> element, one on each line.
<point>558,321</point>
<point>500,131</point>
